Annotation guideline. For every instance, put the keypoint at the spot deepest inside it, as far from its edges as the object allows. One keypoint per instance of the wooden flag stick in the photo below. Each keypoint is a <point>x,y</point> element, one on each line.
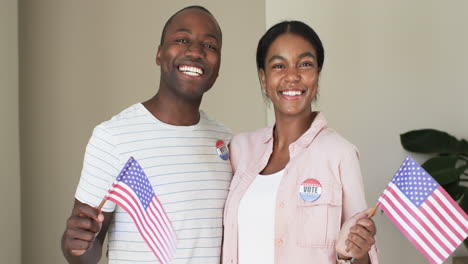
<point>374,210</point>
<point>105,197</point>
<point>102,203</point>
<point>370,215</point>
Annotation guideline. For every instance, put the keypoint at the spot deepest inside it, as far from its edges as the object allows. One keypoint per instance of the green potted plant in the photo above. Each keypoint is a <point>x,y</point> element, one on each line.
<point>448,164</point>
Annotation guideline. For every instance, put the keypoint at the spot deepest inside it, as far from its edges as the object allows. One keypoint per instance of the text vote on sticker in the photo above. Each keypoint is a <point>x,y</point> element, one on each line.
<point>222,150</point>
<point>310,190</point>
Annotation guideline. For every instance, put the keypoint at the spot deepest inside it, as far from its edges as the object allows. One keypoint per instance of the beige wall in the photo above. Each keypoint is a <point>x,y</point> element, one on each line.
<point>390,66</point>
<point>10,234</point>
<point>83,61</point>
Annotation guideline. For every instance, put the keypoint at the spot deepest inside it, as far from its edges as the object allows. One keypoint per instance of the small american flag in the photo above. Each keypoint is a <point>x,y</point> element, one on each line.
<point>424,212</point>
<point>133,192</point>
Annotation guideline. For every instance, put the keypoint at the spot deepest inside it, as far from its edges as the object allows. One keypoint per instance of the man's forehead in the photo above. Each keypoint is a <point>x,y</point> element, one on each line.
<point>193,13</point>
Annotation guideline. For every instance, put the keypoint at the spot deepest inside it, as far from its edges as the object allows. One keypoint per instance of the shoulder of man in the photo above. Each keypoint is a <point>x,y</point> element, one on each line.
<point>221,127</point>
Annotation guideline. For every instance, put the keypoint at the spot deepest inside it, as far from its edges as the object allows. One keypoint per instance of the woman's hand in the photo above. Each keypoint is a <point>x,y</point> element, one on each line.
<point>356,236</point>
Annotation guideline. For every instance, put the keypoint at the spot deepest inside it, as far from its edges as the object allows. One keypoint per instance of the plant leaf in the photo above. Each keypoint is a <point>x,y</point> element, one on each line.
<point>443,169</point>
<point>454,190</point>
<point>464,206</point>
<point>463,146</point>
<point>464,201</point>
<point>432,141</point>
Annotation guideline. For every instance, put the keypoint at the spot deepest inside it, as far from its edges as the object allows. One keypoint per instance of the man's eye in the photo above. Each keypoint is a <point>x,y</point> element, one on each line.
<point>181,41</point>
<point>278,66</point>
<point>210,46</point>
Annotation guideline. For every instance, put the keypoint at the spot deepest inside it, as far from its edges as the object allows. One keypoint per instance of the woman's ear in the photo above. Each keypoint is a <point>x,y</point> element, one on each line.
<point>262,76</point>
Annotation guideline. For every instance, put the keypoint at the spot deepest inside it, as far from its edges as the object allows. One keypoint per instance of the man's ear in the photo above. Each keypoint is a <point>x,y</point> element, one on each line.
<point>158,55</point>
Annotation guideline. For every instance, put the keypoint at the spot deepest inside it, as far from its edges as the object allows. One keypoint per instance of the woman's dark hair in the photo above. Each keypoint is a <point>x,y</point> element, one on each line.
<point>295,27</point>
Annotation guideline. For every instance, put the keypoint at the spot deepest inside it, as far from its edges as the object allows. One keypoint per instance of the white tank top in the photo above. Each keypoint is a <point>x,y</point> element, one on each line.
<point>256,219</point>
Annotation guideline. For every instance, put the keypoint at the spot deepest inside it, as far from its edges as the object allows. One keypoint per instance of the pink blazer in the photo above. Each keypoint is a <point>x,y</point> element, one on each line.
<point>305,231</point>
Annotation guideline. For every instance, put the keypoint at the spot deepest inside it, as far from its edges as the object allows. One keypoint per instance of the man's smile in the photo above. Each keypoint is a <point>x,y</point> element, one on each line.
<point>190,70</point>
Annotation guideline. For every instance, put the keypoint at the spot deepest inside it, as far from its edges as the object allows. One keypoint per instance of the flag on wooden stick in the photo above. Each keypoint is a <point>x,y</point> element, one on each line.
<point>424,212</point>
<point>133,192</point>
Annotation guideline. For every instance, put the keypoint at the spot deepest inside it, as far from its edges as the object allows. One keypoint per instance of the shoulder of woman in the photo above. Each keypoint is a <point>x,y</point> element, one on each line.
<point>331,137</point>
<point>250,137</point>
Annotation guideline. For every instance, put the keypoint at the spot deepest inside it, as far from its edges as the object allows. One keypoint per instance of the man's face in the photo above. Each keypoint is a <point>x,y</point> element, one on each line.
<point>190,54</point>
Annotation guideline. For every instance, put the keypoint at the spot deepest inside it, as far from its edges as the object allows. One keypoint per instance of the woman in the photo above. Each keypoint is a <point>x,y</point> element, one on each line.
<point>297,194</point>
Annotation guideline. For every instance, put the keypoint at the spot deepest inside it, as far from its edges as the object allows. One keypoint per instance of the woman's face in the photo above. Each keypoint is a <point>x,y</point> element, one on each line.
<point>291,75</point>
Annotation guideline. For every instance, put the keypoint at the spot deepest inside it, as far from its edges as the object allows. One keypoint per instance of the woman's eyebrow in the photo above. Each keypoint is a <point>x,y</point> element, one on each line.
<point>307,54</point>
<point>276,57</point>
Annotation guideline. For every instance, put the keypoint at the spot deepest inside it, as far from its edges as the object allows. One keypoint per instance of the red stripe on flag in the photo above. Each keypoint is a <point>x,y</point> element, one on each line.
<point>437,224</point>
<point>449,225</point>
<point>419,235</point>
<point>126,205</point>
<point>454,205</point>
<point>411,208</point>
<point>158,217</point>
<point>158,206</point>
<point>403,230</point>
<point>156,251</point>
<point>123,187</point>
<point>450,214</point>
<point>141,220</point>
<point>156,209</point>
<point>165,222</point>
<point>141,210</point>
<point>168,228</point>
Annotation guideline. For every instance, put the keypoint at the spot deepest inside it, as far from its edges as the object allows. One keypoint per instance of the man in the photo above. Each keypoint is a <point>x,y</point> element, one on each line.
<point>175,144</point>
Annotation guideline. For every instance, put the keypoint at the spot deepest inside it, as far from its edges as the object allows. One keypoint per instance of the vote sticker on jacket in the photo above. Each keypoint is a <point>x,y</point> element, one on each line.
<point>222,150</point>
<point>310,190</point>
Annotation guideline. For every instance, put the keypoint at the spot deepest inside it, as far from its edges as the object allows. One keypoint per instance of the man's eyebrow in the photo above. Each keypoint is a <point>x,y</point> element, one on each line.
<point>276,57</point>
<point>212,36</point>
<point>209,35</point>
<point>184,30</point>
<point>307,54</point>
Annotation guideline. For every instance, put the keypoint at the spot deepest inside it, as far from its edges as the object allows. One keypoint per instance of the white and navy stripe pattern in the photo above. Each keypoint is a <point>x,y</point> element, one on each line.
<point>185,171</point>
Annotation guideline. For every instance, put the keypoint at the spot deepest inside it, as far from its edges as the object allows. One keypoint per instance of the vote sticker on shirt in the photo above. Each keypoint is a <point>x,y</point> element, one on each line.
<point>222,150</point>
<point>310,190</point>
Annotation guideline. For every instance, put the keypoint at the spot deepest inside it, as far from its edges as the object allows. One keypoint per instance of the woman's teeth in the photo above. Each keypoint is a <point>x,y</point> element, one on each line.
<point>291,93</point>
<point>191,71</point>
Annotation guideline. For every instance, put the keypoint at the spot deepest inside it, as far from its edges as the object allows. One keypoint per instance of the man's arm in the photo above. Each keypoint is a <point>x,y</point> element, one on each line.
<point>84,234</point>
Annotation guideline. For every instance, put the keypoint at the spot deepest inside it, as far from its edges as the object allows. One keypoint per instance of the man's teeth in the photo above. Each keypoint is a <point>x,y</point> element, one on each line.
<point>291,93</point>
<point>191,73</point>
<point>190,70</point>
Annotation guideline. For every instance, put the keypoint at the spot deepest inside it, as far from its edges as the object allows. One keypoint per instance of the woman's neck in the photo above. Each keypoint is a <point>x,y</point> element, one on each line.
<point>289,129</point>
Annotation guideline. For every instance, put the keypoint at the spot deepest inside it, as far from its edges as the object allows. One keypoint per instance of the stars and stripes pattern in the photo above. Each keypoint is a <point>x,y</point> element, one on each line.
<point>133,192</point>
<point>424,212</point>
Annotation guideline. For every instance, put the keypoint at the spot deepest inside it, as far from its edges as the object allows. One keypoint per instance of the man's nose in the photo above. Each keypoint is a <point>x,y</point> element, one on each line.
<point>195,50</point>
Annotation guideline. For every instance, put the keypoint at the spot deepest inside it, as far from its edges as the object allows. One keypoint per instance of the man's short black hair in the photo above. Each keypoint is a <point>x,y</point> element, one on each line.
<point>183,9</point>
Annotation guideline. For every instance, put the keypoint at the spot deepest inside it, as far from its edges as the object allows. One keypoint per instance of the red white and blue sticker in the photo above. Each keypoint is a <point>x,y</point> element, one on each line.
<point>222,150</point>
<point>310,190</point>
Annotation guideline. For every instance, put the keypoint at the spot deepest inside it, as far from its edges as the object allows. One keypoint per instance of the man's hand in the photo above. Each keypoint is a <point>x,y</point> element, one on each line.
<point>82,228</point>
<point>356,236</point>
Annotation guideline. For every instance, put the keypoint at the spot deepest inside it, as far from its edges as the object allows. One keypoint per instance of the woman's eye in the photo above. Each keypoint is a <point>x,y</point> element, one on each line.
<point>307,64</point>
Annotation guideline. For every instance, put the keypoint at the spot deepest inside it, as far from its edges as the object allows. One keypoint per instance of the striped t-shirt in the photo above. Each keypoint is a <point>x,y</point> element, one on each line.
<point>188,176</point>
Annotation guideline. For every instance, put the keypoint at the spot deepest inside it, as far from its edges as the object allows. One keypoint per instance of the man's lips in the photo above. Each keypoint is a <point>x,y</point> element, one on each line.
<point>191,70</point>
